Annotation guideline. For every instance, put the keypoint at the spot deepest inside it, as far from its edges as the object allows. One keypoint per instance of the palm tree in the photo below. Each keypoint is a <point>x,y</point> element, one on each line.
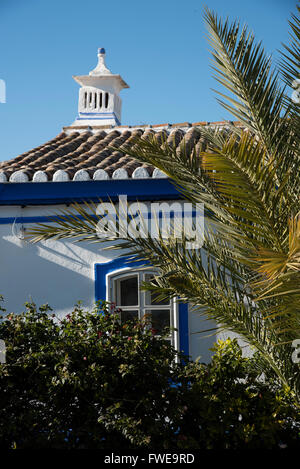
<point>246,276</point>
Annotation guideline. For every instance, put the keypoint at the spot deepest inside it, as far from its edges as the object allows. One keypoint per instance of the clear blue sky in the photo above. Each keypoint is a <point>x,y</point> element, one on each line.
<point>158,47</point>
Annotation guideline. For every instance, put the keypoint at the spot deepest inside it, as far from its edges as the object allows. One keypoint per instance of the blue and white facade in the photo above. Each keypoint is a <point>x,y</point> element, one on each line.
<point>61,273</point>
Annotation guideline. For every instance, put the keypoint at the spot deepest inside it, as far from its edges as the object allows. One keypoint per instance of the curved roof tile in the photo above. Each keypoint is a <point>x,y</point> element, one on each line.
<point>92,153</point>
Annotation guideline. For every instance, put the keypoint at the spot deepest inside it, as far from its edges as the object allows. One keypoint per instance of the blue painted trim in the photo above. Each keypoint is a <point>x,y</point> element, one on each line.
<point>99,119</point>
<point>96,113</point>
<point>111,115</point>
<point>95,118</point>
<point>183,324</point>
<point>51,193</point>
<point>101,270</point>
<point>50,218</point>
<point>11,220</point>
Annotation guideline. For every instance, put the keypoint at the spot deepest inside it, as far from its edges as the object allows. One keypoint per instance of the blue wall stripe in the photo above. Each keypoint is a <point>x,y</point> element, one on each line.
<point>54,217</point>
<point>11,220</point>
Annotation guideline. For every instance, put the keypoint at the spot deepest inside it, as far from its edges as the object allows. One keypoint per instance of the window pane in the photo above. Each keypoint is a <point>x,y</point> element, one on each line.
<point>129,316</point>
<point>160,318</point>
<point>151,297</point>
<point>128,291</point>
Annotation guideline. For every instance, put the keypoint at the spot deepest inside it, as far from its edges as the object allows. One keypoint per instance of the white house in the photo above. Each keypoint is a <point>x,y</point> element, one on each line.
<point>83,163</point>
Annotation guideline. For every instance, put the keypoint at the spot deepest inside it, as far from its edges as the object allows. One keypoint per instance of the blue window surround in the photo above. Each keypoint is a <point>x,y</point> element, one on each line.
<point>101,270</point>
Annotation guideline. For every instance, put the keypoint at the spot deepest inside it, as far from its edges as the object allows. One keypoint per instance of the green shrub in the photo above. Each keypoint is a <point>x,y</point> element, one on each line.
<point>87,381</point>
<point>230,406</point>
<point>84,381</point>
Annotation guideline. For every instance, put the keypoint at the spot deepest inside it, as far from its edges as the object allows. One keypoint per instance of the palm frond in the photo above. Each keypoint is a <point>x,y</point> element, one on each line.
<point>246,275</point>
<point>244,69</point>
<point>290,63</point>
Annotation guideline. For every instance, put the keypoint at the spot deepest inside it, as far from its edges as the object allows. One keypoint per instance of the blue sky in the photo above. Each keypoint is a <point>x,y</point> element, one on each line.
<point>158,47</point>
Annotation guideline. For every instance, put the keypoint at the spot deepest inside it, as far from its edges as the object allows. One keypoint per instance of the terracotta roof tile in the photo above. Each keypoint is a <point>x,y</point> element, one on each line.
<point>94,152</point>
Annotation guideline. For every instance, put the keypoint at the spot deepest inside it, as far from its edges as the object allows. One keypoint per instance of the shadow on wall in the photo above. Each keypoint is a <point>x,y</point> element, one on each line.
<point>56,272</point>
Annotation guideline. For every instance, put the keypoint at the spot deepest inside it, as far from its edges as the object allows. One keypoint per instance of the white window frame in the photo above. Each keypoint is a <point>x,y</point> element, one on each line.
<point>141,307</point>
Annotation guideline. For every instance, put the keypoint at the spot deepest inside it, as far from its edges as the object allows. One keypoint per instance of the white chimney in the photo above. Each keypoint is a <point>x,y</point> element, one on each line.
<point>99,101</point>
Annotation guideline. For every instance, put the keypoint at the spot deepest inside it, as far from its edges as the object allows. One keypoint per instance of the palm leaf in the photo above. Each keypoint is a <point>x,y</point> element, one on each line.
<point>246,276</point>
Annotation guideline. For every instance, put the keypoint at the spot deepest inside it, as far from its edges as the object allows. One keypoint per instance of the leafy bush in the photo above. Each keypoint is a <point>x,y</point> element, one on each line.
<point>84,381</point>
<point>87,381</point>
<point>229,405</point>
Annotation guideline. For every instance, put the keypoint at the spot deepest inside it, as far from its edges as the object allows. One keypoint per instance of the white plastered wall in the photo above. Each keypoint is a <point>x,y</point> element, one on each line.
<point>61,273</point>
<point>56,272</point>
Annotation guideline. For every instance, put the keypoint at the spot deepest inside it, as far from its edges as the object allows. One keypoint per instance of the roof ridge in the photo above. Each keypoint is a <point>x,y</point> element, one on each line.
<point>154,126</point>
